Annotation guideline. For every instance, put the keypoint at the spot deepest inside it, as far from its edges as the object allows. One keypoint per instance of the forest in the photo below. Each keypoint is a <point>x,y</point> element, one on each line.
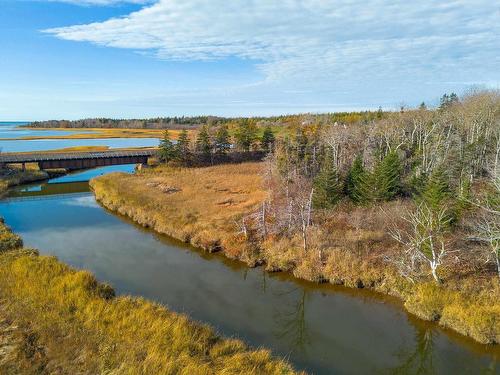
<point>193,122</point>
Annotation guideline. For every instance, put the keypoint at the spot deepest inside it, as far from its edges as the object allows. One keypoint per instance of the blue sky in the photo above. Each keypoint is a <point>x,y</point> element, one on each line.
<point>144,58</point>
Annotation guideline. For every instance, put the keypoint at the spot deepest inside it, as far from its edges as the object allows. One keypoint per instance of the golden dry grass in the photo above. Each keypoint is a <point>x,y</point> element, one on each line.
<point>14,177</point>
<point>196,205</point>
<point>60,320</point>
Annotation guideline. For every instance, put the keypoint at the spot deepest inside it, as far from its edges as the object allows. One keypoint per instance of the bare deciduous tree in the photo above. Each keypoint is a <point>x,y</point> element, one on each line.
<point>488,225</point>
<point>423,241</point>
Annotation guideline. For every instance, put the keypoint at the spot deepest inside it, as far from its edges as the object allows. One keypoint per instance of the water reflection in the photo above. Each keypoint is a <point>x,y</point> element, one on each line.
<point>321,328</point>
<point>418,359</point>
<point>291,322</point>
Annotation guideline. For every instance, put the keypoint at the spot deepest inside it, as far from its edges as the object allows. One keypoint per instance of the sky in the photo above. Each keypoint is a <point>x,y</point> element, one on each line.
<point>70,59</point>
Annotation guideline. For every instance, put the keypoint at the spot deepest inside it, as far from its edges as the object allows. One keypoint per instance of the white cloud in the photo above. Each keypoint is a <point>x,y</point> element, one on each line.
<point>102,2</point>
<point>310,43</point>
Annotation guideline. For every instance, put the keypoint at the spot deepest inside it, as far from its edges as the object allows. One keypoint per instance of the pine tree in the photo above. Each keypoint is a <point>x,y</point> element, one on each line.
<point>327,187</point>
<point>356,182</point>
<point>182,151</point>
<point>246,134</point>
<point>386,178</point>
<point>267,140</point>
<point>167,149</point>
<point>436,191</point>
<point>380,113</point>
<point>203,142</point>
<point>301,142</point>
<point>222,140</point>
<point>448,100</point>
<point>444,101</point>
<point>422,106</point>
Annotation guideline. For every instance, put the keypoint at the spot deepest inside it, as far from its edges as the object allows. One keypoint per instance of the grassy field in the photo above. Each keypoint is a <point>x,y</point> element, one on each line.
<point>57,320</point>
<point>205,206</point>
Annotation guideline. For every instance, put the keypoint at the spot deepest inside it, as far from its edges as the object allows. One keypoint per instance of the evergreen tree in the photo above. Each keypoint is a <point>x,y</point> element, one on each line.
<point>437,196</point>
<point>448,100</point>
<point>356,183</point>
<point>422,106</point>
<point>182,151</point>
<point>380,113</point>
<point>246,134</point>
<point>222,140</point>
<point>301,142</point>
<point>436,191</point>
<point>386,178</point>
<point>453,98</point>
<point>327,187</point>
<point>203,142</point>
<point>268,139</point>
<point>444,101</point>
<point>167,148</point>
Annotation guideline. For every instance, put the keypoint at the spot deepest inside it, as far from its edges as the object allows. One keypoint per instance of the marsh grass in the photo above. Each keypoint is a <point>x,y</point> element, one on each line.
<point>204,206</point>
<point>14,176</point>
<point>61,320</point>
<point>197,205</point>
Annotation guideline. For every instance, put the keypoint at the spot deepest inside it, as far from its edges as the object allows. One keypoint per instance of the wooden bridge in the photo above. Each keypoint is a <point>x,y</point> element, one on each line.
<point>78,160</point>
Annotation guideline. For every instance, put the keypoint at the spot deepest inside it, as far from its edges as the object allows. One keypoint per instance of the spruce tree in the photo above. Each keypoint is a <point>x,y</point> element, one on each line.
<point>167,149</point>
<point>356,183</point>
<point>222,140</point>
<point>246,134</point>
<point>182,151</point>
<point>267,140</point>
<point>203,142</point>
<point>436,191</point>
<point>301,143</point>
<point>327,187</point>
<point>386,178</point>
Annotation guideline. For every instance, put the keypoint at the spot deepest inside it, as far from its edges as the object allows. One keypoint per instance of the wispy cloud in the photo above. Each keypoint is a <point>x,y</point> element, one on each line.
<point>101,2</point>
<point>312,51</point>
<point>350,39</point>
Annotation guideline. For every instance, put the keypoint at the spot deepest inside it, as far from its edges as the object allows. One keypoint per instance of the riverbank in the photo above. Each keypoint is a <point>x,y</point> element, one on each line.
<point>14,177</point>
<point>54,319</point>
<point>206,207</point>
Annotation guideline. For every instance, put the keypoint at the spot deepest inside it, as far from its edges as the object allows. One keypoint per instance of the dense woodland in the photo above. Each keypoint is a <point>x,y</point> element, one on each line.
<point>431,176</point>
<point>186,122</point>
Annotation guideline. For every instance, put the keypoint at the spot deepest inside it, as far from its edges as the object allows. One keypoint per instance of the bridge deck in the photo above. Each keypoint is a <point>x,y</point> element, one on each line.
<point>39,157</point>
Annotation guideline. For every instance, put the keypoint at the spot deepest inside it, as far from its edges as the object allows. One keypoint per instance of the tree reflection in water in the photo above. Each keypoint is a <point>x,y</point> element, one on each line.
<point>291,321</point>
<point>419,358</point>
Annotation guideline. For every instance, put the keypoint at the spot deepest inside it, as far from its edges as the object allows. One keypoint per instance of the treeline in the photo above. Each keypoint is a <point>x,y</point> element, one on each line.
<point>153,123</point>
<point>215,144</point>
<point>443,165</point>
<point>193,122</point>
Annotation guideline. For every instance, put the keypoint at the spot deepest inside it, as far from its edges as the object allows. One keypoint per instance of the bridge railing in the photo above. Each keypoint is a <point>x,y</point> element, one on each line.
<point>38,157</point>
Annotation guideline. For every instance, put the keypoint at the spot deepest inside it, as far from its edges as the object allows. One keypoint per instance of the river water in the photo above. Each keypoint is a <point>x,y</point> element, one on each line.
<point>10,132</point>
<point>320,328</point>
